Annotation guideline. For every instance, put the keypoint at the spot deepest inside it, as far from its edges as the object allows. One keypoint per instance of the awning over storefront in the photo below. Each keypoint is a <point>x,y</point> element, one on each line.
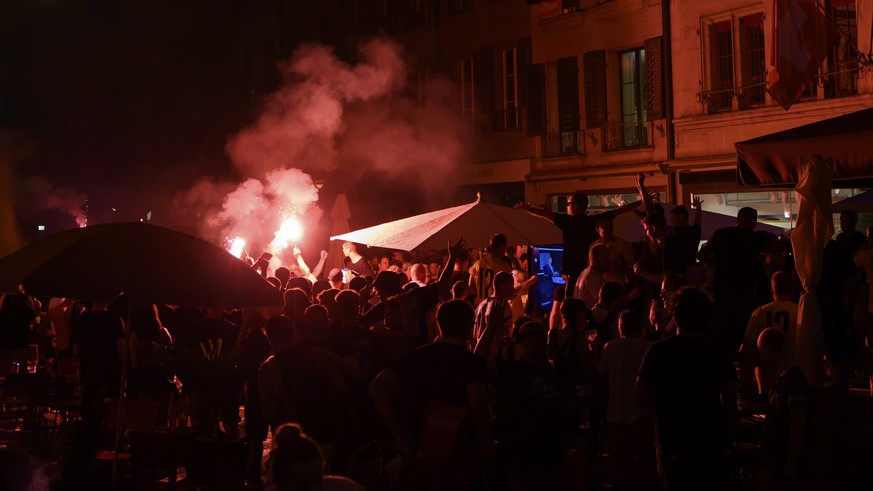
<point>774,160</point>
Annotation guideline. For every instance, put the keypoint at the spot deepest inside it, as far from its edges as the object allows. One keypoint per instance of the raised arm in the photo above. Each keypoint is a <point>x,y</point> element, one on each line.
<point>445,281</point>
<point>641,187</point>
<point>697,204</point>
<point>320,266</point>
<point>540,212</point>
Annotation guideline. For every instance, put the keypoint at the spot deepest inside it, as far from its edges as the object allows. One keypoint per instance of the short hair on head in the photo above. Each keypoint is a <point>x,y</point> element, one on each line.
<point>630,322</point>
<point>283,273</point>
<point>357,283</point>
<point>302,283</point>
<point>849,214</point>
<point>772,340</point>
<point>455,319</point>
<point>502,277</point>
<point>782,283</point>
<point>297,461</point>
<point>348,301</point>
<point>692,310</point>
<point>581,198</point>
<point>674,281</point>
<point>497,241</point>
<point>680,210</point>
<point>747,213</point>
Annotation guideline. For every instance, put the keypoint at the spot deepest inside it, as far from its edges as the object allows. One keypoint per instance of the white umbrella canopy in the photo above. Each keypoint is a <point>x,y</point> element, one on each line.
<point>475,222</point>
<point>861,203</point>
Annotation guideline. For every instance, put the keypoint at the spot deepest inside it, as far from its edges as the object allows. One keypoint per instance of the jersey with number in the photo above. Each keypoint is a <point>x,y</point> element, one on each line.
<point>779,314</point>
<point>482,275</point>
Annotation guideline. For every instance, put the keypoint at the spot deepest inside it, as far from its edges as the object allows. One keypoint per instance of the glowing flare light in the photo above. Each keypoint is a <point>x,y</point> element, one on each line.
<point>289,232</point>
<point>236,246</point>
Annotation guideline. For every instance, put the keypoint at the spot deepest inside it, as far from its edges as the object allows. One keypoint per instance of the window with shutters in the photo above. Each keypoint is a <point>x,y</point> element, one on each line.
<point>568,106</point>
<point>736,70</point>
<point>595,88</point>
<point>722,83</point>
<point>536,100</point>
<point>508,117</point>
<point>633,98</point>
<point>841,78</point>
<point>754,65</point>
<point>467,90</point>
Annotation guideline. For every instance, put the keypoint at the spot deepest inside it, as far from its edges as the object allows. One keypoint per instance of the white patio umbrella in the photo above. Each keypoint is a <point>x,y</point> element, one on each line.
<point>809,239</point>
<point>475,222</point>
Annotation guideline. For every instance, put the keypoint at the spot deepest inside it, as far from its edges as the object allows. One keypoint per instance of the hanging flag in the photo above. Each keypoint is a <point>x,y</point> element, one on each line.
<point>802,39</point>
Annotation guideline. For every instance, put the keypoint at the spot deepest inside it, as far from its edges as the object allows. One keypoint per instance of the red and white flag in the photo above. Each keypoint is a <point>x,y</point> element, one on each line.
<point>802,39</point>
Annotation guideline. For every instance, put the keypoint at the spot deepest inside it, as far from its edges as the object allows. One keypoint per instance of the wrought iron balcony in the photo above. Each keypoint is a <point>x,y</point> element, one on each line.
<point>620,136</point>
<point>842,81</point>
<point>721,100</point>
<point>565,143</point>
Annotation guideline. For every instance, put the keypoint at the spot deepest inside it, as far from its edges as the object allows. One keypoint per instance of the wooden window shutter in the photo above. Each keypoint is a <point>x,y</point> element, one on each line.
<point>568,94</point>
<point>536,100</point>
<point>654,79</point>
<point>595,88</point>
<point>523,59</point>
<point>482,85</point>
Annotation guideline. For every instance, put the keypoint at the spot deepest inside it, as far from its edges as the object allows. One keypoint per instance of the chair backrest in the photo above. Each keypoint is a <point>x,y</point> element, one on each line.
<point>135,415</point>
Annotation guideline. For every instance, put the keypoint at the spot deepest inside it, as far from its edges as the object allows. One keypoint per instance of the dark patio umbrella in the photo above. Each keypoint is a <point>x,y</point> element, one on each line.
<point>774,160</point>
<point>150,264</point>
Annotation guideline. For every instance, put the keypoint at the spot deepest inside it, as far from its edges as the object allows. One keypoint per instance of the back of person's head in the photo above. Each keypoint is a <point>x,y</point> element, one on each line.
<point>283,273</point>
<point>348,302</point>
<point>681,211</point>
<point>518,323</point>
<point>850,215</point>
<point>610,293</point>
<point>772,345</point>
<point>455,319</point>
<point>358,283</point>
<point>459,289</point>
<point>782,284</point>
<point>145,322</point>
<point>673,282</point>
<point>497,243</point>
<point>280,331</point>
<point>316,324</point>
<point>296,460</point>
<point>571,310</point>
<point>418,272</point>
<point>630,323</point>
<point>276,282</point>
<point>302,283</point>
<point>503,283</point>
<point>318,287</point>
<point>388,284</point>
<point>296,301</point>
<point>335,275</point>
<point>692,310</point>
<point>747,217</point>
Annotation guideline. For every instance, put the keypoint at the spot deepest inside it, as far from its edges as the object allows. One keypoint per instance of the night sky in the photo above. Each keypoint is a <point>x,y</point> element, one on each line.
<point>129,105</point>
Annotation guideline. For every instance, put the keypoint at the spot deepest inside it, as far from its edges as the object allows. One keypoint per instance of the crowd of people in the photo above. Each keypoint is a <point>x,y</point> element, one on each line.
<point>654,349</point>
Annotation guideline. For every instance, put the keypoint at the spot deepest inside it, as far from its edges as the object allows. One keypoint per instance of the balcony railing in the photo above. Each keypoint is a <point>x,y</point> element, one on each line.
<point>721,100</point>
<point>565,143</point>
<point>620,136</point>
<point>507,119</point>
<point>842,81</point>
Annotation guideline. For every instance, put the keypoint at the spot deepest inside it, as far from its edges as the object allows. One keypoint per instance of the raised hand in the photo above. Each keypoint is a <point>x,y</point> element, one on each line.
<point>696,202</point>
<point>458,248</point>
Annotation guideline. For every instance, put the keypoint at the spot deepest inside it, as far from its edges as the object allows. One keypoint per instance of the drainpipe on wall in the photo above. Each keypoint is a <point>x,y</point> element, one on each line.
<point>667,54</point>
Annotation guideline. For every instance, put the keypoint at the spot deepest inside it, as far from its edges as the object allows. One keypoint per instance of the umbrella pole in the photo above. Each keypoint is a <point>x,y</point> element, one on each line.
<point>116,479</point>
